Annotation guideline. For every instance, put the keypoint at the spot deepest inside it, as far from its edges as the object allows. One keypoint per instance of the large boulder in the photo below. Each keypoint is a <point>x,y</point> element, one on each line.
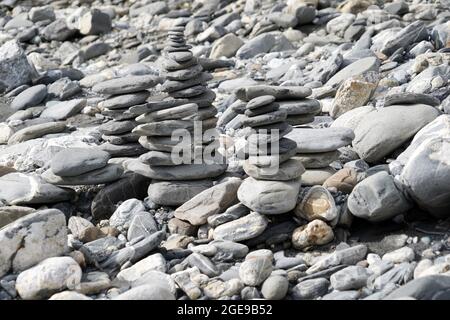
<point>15,69</point>
<point>382,131</point>
<point>31,239</point>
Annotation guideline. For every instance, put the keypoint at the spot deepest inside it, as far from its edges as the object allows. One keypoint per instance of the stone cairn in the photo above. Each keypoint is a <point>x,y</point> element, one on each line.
<point>186,105</point>
<point>274,173</point>
<point>122,94</point>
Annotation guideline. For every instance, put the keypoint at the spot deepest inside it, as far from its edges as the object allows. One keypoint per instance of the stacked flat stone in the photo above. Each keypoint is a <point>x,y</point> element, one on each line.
<point>122,94</point>
<point>187,103</point>
<point>82,166</point>
<point>317,148</point>
<point>274,173</point>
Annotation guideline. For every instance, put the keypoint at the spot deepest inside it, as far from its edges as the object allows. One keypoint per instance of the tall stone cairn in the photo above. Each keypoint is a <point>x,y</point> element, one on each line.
<point>187,106</point>
<point>274,172</point>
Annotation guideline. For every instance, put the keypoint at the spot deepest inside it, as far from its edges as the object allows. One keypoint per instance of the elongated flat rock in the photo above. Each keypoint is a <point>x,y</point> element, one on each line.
<point>64,109</point>
<point>125,100</point>
<point>174,113</point>
<point>279,92</point>
<point>175,193</point>
<point>76,161</point>
<point>109,173</point>
<point>163,128</point>
<point>128,84</point>
<point>321,140</point>
<point>295,107</point>
<point>180,172</point>
<point>36,131</point>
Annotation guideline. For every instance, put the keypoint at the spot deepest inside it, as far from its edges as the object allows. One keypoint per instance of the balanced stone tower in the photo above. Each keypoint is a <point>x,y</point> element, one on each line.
<point>179,129</point>
<point>121,94</point>
<point>274,173</point>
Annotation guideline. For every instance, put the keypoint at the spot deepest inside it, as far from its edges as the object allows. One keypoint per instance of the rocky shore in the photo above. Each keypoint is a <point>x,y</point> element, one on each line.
<point>321,170</point>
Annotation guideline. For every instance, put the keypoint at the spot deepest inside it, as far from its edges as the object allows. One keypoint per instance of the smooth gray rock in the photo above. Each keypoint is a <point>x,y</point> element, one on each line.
<point>108,173</point>
<point>175,193</point>
<point>30,189</point>
<point>382,131</point>
<point>36,131</point>
<point>356,68</point>
<point>427,171</point>
<point>269,197</point>
<point>378,198</point>
<point>275,288</point>
<point>50,276</point>
<point>125,100</point>
<point>31,239</point>
<point>29,97</point>
<point>127,84</point>
<point>248,93</point>
<point>72,162</point>
<point>226,46</point>
<point>176,173</point>
<point>116,127</point>
<point>64,110</point>
<point>203,264</point>
<point>410,98</point>
<point>321,140</point>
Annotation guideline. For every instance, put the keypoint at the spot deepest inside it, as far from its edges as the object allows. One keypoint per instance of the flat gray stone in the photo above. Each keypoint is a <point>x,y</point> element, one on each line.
<point>356,68</point>
<point>127,84</point>
<point>176,173</point>
<point>320,140</point>
<point>36,131</point>
<point>30,97</point>
<point>109,173</point>
<point>279,92</point>
<point>64,110</point>
<point>125,100</point>
<point>382,131</point>
<point>175,193</point>
<point>72,162</point>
